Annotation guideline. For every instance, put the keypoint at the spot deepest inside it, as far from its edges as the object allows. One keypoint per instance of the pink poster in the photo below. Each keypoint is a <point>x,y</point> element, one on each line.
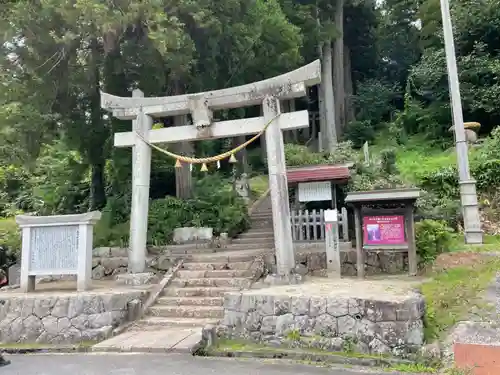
<point>384,230</point>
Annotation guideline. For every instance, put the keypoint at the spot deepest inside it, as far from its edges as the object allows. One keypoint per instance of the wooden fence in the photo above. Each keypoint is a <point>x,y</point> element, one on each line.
<point>310,225</point>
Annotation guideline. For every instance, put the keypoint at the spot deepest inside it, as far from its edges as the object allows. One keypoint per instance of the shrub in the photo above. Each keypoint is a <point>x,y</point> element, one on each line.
<point>432,207</point>
<point>432,237</point>
<point>298,156</point>
<point>359,132</point>
<point>388,161</point>
<point>10,242</point>
<point>214,205</point>
<point>442,182</point>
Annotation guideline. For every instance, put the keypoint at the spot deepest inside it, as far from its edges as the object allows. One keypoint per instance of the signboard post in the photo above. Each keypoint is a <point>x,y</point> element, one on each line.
<point>332,243</point>
<point>384,230</point>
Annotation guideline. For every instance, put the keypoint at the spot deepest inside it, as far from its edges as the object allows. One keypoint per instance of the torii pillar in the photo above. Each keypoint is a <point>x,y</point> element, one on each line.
<point>267,93</point>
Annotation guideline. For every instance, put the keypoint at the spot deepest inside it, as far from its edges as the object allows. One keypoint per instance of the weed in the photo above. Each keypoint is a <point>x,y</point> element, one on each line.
<point>293,335</point>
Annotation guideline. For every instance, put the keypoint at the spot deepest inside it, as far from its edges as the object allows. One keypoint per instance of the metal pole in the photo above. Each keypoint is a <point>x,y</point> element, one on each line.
<point>472,223</point>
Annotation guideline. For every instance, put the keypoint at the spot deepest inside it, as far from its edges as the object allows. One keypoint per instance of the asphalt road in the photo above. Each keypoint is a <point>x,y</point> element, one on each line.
<point>168,364</point>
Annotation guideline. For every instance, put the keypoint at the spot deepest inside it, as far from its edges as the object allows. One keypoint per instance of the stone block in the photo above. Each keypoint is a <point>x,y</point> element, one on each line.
<point>14,274</point>
<point>232,301</point>
<point>284,324</point>
<point>282,305</point>
<point>98,272</point>
<point>337,306</point>
<point>253,321</point>
<point>268,325</point>
<point>162,262</point>
<point>136,279</point>
<point>317,306</point>
<point>192,234</point>
<point>117,252</point>
<point>265,305</point>
<point>300,305</point>
<point>305,325</point>
<point>346,326</point>
<point>134,309</point>
<point>102,252</point>
<point>110,264</point>
<point>326,325</point>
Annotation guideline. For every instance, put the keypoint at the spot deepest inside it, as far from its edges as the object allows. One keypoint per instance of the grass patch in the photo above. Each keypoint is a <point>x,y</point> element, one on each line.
<point>413,368</point>
<point>452,294</point>
<point>227,345</point>
<point>320,357</point>
<point>258,185</point>
<point>490,244</point>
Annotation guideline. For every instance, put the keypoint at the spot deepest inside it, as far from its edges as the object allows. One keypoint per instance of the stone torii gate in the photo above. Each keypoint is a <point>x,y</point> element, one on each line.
<point>267,93</point>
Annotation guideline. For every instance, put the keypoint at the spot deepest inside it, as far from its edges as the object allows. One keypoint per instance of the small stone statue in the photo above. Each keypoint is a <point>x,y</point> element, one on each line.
<point>471,129</point>
<point>242,187</point>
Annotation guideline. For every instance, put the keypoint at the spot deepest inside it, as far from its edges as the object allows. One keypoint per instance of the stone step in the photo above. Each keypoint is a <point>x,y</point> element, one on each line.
<point>193,266</point>
<point>229,256</point>
<point>262,241</point>
<point>235,282</point>
<point>156,322</point>
<point>197,292</point>
<point>214,312</point>
<point>261,217</point>
<point>191,249</point>
<point>257,233</point>
<point>262,224</point>
<point>190,274</point>
<point>190,301</point>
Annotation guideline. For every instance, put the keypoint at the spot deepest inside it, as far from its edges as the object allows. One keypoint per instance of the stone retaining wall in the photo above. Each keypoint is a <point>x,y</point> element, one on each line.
<point>331,323</point>
<point>70,318</point>
<point>111,261</point>
<point>312,258</point>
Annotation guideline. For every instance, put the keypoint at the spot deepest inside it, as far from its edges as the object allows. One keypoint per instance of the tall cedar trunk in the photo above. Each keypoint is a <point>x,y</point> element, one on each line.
<point>183,175</point>
<point>338,68</point>
<point>322,132</point>
<point>115,83</point>
<point>242,155</point>
<point>329,98</point>
<point>349,108</point>
<point>285,107</point>
<point>98,137</point>
<point>295,132</point>
<point>263,146</point>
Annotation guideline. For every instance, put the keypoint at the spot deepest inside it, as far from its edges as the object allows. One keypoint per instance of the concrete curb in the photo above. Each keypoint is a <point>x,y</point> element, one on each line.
<point>290,354</point>
<point>140,350</point>
<point>47,349</point>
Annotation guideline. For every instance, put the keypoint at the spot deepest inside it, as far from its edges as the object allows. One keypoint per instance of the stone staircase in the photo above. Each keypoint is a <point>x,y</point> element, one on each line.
<point>195,296</point>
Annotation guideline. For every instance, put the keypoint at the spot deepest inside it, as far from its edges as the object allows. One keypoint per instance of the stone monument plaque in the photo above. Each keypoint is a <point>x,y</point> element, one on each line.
<point>56,246</point>
<point>54,249</point>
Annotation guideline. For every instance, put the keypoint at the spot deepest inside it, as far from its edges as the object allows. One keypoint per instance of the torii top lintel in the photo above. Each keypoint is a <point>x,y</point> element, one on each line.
<point>286,86</point>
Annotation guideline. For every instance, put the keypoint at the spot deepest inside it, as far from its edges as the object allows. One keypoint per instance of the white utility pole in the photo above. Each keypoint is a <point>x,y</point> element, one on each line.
<point>472,222</point>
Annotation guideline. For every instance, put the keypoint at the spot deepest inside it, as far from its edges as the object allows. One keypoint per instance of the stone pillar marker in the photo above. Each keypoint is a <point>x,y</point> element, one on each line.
<point>200,106</point>
<point>332,244</point>
<point>57,245</point>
